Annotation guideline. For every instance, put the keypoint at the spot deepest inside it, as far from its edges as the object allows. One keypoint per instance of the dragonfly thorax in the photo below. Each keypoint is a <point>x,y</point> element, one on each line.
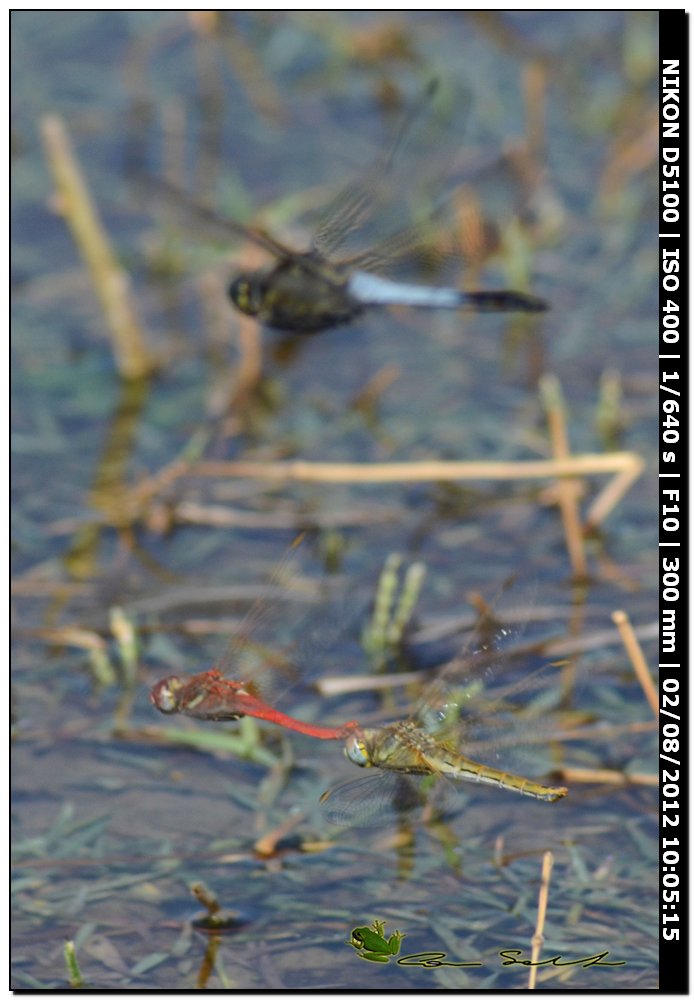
<point>402,746</point>
<point>300,294</point>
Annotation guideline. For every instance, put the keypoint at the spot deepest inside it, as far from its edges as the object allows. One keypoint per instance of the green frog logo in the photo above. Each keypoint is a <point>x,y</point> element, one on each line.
<point>372,944</point>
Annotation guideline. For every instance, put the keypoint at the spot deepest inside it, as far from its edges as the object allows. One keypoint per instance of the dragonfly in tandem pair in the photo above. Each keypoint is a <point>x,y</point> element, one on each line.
<point>359,241</point>
<point>467,709</point>
<point>248,675</point>
<point>465,702</point>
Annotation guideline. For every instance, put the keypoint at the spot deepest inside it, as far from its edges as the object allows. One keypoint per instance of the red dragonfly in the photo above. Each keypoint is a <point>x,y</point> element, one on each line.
<point>214,695</point>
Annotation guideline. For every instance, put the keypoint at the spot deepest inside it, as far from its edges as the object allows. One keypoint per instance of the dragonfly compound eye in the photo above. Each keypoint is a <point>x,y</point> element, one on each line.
<point>164,695</point>
<point>243,293</point>
<point>355,750</point>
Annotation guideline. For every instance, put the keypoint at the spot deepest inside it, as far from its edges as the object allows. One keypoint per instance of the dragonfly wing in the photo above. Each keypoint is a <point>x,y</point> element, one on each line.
<point>170,194</point>
<point>517,730</point>
<point>344,215</point>
<point>484,703</point>
<point>369,211</point>
<point>465,680</point>
<point>254,652</point>
<point>452,217</point>
<point>282,642</point>
<point>373,800</point>
<point>509,729</point>
<point>409,250</point>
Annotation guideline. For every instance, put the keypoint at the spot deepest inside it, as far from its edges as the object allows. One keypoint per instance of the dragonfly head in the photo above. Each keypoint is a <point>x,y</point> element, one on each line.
<point>357,751</point>
<point>164,694</point>
<point>247,292</point>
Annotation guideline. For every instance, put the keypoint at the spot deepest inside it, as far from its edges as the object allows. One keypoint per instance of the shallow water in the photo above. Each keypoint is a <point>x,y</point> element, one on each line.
<point>112,819</point>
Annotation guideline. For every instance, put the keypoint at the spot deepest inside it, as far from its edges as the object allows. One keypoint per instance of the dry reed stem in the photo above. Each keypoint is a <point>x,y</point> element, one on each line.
<point>629,154</point>
<point>626,466</point>
<point>606,776</point>
<point>636,658</point>
<point>368,396</point>
<point>615,489</point>
<point>174,149</point>
<point>110,282</point>
<point>298,470</point>
<point>250,368</point>
<point>249,70</point>
<point>109,494</point>
<point>68,635</point>
<point>32,584</point>
<point>216,515</point>
<point>538,936</point>
<point>209,961</point>
<point>604,731</point>
<point>550,390</point>
<point>534,81</point>
<point>266,846</point>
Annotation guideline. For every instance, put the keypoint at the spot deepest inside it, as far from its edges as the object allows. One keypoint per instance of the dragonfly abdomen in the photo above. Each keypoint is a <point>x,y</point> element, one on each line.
<point>371,290</point>
<point>463,769</point>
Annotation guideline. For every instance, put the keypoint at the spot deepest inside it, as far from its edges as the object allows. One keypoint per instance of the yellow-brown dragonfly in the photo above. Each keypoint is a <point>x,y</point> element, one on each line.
<point>468,726</point>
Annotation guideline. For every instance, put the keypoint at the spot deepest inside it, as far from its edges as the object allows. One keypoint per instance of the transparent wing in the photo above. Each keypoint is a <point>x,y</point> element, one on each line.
<point>489,705</point>
<point>383,221</point>
<point>166,193</point>
<point>257,653</point>
<point>420,247</point>
<point>373,799</point>
<point>415,212</point>
<point>349,211</point>
<point>470,676</point>
<point>246,654</point>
